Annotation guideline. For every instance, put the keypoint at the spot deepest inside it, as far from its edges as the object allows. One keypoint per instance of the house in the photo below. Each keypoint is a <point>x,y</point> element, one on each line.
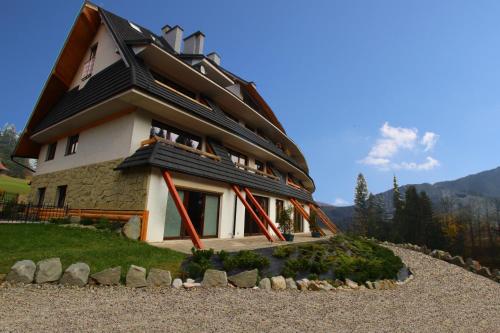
<point>133,122</point>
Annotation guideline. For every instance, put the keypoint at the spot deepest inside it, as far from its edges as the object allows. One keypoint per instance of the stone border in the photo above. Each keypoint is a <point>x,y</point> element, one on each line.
<point>469,264</point>
<point>78,275</point>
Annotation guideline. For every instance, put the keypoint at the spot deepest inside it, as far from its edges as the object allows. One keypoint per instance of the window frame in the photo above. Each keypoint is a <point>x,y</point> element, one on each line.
<point>40,195</point>
<point>239,156</point>
<point>173,130</point>
<point>51,151</point>
<point>72,145</point>
<point>64,190</point>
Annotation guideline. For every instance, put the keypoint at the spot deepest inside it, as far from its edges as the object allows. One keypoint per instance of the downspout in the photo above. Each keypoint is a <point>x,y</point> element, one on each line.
<point>234,217</point>
<point>24,166</point>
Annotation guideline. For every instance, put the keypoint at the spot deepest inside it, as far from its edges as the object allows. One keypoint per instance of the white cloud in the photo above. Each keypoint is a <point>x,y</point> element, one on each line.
<point>341,202</point>
<point>429,140</point>
<point>392,140</point>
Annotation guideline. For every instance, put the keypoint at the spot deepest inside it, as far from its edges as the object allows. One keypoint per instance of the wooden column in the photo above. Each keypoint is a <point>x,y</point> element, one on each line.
<point>252,213</point>
<point>263,212</point>
<point>182,210</point>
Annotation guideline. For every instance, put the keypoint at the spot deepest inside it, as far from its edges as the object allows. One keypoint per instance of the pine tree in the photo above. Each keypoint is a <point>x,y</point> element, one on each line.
<point>411,216</point>
<point>376,224</point>
<point>397,217</point>
<point>361,206</point>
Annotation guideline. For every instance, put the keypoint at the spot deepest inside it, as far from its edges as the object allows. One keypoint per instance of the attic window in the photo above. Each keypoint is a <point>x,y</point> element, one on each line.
<point>135,27</point>
<point>89,65</point>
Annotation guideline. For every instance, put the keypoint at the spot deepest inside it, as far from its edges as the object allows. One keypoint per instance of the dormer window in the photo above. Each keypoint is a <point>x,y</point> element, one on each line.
<point>89,65</point>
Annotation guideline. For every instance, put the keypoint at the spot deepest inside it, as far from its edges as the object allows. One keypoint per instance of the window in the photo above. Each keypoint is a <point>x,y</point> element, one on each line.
<point>135,27</point>
<point>238,158</point>
<point>61,195</point>
<point>259,165</point>
<point>51,151</point>
<point>176,135</point>
<point>280,207</point>
<point>40,196</point>
<point>89,65</point>
<point>72,144</point>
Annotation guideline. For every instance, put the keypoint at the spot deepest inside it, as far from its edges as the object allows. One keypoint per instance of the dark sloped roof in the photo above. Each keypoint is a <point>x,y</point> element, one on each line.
<point>167,157</point>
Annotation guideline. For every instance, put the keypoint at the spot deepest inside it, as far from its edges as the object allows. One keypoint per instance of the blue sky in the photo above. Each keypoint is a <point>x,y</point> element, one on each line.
<point>410,88</point>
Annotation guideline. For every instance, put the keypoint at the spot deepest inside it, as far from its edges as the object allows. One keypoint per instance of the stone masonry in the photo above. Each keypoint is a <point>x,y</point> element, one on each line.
<point>96,186</point>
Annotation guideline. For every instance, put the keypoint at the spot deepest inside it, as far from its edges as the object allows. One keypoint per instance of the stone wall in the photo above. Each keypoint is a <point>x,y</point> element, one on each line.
<point>96,186</point>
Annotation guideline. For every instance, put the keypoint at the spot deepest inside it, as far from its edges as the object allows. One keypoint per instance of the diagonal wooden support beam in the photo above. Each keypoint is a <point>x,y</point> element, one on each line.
<point>252,213</point>
<point>304,214</point>
<point>263,212</point>
<point>322,213</point>
<point>182,210</point>
<point>324,219</point>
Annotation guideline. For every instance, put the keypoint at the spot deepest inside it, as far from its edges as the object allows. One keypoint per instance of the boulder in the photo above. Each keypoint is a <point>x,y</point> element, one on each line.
<point>76,275</point>
<point>290,284</point>
<point>265,284</point>
<point>473,265</point>
<point>377,285</point>
<point>48,270</point>
<point>369,285</point>
<point>22,272</point>
<point>177,283</point>
<point>485,271</point>
<point>108,277</point>
<point>278,283</point>
<point>132,229</point>
<point>496,273</point>
<point>351,284</point>
<point>313,285</point>
<point>75,219</point>
<point>458,260</point>
<point>403,273</point>
<point>214,278</point>
<point>324,285</point>
<point>302,284</point>
<point>246,279</point>
<point>136,277</point>
<point>159,278</point>
<point>189,285</point>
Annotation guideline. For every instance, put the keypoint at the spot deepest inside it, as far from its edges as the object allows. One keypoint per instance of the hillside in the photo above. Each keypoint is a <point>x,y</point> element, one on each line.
<point>481,191</point>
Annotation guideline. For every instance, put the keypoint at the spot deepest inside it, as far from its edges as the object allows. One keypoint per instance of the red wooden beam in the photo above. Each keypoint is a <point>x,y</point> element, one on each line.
<point>182,210</point>
<point>302,212</point>
<point>324,219</point>
<point>252,213</point>
<point>263,212</point>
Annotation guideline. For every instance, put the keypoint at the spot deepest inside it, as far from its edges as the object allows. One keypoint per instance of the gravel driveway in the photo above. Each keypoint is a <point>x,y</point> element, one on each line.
<point>441,298</point>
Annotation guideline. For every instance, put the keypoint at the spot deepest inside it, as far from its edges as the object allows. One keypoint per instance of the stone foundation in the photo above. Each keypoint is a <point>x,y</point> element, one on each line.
<point>96,186</point>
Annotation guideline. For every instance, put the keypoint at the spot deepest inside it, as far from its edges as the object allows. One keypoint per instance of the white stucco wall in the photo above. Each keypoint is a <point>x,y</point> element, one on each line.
<point>106,142</point>
<point>105,55</point>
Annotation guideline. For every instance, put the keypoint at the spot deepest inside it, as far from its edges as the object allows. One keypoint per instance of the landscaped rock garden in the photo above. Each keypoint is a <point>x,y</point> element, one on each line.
<point>340,263</point>
<point>468,264</point>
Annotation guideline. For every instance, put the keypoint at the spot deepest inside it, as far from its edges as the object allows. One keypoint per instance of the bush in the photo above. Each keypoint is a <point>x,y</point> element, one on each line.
<point>199,263</point>
<point>87,221</point>
<point>201,255</point>
<point>60,221</point>
<point>245,260</point>
<point>283,251</point>
<point>102,223</point>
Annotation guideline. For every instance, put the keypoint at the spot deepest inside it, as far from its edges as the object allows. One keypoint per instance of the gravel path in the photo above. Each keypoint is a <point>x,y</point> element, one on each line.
<point>441,298</point>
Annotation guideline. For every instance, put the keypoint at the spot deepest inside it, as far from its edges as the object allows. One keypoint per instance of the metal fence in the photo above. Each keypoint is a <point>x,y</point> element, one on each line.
<point>11,211</point>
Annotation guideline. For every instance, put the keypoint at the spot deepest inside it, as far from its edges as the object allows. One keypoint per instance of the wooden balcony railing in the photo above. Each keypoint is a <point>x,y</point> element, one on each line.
<point>180,146</point>
<point>261,173</point>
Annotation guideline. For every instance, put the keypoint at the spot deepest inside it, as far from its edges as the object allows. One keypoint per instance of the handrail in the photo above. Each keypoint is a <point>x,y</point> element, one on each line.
<point>257,171</point>
<point>155,139</point>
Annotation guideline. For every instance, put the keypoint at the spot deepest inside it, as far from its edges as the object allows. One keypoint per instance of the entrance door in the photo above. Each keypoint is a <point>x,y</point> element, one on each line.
<point>298,221</point>
<point>251,227</point>
<point>203,210</point>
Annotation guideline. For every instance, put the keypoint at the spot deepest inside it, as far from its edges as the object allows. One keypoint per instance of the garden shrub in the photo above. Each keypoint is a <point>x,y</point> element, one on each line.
<point>59,221</point>
<point>245,260</point>
<point>102,223</point>
<point>87,221</point>
<point>199,263</point>
<point>283,251</point>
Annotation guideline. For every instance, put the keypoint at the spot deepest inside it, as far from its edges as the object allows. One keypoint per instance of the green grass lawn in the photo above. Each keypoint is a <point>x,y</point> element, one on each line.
<point>99,249</point>
<point>14,185</point>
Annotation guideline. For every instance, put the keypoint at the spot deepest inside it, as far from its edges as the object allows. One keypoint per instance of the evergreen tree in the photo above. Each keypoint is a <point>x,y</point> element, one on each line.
<point>361,206</point>
<point>411,216</point>
<point>397,217</point>
<point>376,224</point>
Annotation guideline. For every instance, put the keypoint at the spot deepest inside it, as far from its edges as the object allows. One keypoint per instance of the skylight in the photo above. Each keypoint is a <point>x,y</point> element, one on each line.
<point>135,27</point>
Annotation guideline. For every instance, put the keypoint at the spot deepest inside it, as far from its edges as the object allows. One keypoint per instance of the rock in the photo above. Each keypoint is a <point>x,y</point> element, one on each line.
<point>302,284</point>
<point>369,285</point>
<point>265,284</point>
<point>377,285</point>
<point>22,272</point>
<point>132,229</point>
<point>75,219</point>
<point>136,277</point>
<point>485,271</point>
<point>351,284</point>
<point>189,285</point>
<point>159,278</point>
<point>458,260</point>
<point>290,284</point>
<point>496,273</point>
<point>108,277</point>
<point>177,283</point>
<point>473,265</point>
<point>76,275</point>
<point>324,285</point>
<point>190,280</point>
<point>313,285</point>
<point>403,273</point>
<point>246,279</point>
<point>214,278</point>
<point>278,283</point>
<point>48,270</point>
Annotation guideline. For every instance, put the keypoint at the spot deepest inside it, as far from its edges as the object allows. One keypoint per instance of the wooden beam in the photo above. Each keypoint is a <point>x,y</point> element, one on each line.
<point>326,221</point>
<point>263,212</point>
<point>252,213</point>
<point>144,225</point>
<point>186,220</point>
<point>155,139</point>
<point>302,212</point>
